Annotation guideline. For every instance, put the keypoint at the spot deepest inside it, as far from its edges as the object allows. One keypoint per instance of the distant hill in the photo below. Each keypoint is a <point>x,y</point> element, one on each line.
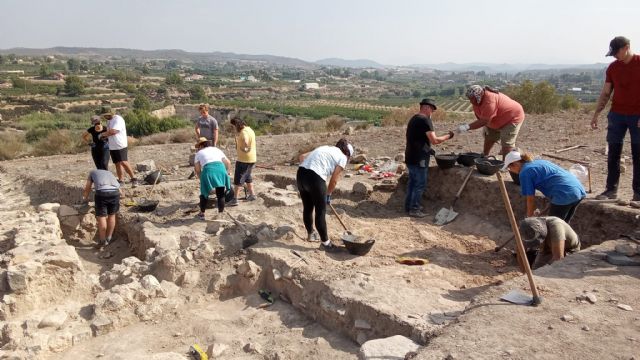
<point>359,63</point>
<point>509,68</point>
<point>170,54</point>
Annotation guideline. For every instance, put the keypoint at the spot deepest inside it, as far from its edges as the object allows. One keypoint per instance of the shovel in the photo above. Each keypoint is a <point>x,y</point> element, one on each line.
<point>149,205</point>
<point>444,215</point>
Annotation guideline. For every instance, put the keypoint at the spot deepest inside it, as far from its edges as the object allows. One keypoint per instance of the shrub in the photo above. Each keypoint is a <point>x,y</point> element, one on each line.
<point>333,123</point>
<point>140,123</point>
<point>183,135</point>
<point>141,102</point>
<point>540,98</point>
<point>59,142</point>
<point>12,145</point>
<point>568,102</point>
<point>74,86</point>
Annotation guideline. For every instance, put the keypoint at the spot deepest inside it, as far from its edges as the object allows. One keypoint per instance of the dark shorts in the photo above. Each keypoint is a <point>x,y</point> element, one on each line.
<point>242,173</point>
<point>118,155</point>
<point>107,203</point>
<point>618,125</point>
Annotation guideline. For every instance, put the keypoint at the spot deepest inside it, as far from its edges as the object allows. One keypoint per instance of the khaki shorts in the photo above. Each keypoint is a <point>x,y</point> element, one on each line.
<point>507,134</point>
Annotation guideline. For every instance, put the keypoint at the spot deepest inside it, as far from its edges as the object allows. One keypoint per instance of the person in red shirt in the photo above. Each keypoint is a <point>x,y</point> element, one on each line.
<point>623,81</point>
<point>500,116</point>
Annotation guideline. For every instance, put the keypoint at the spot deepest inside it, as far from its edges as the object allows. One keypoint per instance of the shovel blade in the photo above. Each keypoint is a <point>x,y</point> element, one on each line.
<point>445,216</point>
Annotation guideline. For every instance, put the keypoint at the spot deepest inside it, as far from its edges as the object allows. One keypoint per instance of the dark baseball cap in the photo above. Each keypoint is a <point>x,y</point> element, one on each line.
<point>616,44</point>
<point>429,102</point>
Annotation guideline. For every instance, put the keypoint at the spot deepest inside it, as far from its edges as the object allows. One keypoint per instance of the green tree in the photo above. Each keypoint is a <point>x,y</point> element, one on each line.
<point>74,86</point>
<point>197,93</point>
<point>142,103</point>
<point>3,60</point>
<point>73,64</point>
<point>173,79</point>
<point>45,71</point>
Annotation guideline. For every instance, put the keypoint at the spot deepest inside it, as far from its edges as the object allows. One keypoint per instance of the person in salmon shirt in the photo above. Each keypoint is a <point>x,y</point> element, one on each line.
<point>500,116</point>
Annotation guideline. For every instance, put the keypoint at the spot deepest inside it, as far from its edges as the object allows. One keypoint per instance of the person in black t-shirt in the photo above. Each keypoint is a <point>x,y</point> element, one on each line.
<point>420,137</point>
<point>99,146</point>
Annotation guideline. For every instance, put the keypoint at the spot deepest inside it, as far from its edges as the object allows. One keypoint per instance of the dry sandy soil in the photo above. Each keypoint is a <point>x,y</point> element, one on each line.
<point>449,305</point>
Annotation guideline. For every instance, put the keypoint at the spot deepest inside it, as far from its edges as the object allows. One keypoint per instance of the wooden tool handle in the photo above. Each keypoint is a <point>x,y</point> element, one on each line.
<point>519,245</point>
<point>339,219</point>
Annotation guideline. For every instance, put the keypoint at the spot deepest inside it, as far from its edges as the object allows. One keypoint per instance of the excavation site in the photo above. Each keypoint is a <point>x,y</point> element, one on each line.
<point>247,284</point>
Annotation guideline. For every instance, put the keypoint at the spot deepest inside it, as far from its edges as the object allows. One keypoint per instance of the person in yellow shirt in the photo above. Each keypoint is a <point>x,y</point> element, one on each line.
<point>246,149</point>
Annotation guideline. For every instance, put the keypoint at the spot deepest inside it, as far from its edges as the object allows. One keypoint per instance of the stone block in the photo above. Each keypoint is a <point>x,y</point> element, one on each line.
<point>81,335</point>
<point>53,319</point>
<point>248,269</point>
<point>60,341</point>
<point>146,165</point>
<point>280,199</point>
<point>53,207</point>
<point>192,239</point>
<point>266,234</point>
<point>17,280</point>
<point>394,347</point>
<point>168,289</point>
<point>362,188</point>
<point>150,282</point>
<point>101,325</point>
<point>63,256</point>
<point>190,279</point>
<point>64,211</point>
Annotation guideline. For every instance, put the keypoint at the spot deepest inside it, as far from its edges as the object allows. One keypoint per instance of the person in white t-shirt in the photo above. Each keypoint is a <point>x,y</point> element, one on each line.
<point>212,167</point>
<point>117,135</point>
<point>325,163</point>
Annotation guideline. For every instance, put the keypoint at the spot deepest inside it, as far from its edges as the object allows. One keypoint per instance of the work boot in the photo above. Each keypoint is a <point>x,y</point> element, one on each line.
<point>610,194</point>
<point>417,213</point>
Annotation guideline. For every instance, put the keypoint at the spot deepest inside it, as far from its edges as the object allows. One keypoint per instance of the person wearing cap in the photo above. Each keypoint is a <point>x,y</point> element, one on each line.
<point>325,163</point>
<point>107,202</point>
<point>550,237</point>
<point>212,168</point>
<point>99,146</point>
<point>562,188</point>
<point>500,116</point>
<point>245,161</point>
<point>420,137</point>
<point>207,125</point>
<point>622,84</point>
<point>117,135</point>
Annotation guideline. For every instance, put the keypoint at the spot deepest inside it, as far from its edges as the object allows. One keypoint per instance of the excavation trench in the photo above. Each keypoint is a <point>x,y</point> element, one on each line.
<point>362,298</point>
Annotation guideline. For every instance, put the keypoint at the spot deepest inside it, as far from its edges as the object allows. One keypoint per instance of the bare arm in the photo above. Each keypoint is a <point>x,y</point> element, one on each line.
<point>477,124</point>
<point>215,137</point>
<point>301,157</point>
<point>602,103</point>
<point>86,137</point>
<point>337,172</point>
<point>531,205</point>
<point>197,168</point>
<point>435,140</point>
<point>197,131</point>
<point>87,189</point>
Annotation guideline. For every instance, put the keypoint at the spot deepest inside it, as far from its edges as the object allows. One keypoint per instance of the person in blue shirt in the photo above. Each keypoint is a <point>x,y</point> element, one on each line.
<point>562,188</point>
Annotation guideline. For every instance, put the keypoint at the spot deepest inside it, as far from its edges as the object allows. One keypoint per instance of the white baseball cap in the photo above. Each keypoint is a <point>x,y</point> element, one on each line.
<point>511,157</point>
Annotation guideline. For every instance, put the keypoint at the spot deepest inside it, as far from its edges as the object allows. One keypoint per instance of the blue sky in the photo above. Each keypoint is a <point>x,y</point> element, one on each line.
<point>390,32</point>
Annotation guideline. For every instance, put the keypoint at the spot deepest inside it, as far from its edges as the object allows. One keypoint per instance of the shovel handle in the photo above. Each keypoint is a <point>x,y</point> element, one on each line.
<point>338,216</point>
<point>464,184</point>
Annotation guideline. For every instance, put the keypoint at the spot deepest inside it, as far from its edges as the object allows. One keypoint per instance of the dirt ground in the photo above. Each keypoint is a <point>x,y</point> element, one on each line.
<point>462,264</point>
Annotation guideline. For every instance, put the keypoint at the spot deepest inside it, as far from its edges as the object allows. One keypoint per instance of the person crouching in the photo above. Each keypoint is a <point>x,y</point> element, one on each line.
<point>107,202</point>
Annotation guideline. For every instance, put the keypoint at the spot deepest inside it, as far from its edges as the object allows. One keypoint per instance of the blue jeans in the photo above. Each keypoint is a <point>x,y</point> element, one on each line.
<point>415,187</point>
<point>617,127</point>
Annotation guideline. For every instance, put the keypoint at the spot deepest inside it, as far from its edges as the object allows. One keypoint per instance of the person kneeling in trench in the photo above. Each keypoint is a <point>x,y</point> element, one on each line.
<point>107,202</point>
<point>550,237</point>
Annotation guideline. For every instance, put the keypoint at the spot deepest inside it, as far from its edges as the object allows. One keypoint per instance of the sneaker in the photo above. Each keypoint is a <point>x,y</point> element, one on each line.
<point>120,182</point>
<point>134,183</point>
<point>200,216</point>
<point>251,197</point>
<point>329,248</point>
<point>233,202</point>
<point>313,236</point>
<point>608,195</point>
<point>417,213</point>
<point>108,241</point>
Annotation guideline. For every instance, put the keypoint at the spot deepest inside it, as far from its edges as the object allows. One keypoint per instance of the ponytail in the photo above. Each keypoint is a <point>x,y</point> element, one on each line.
<point>527,157</point>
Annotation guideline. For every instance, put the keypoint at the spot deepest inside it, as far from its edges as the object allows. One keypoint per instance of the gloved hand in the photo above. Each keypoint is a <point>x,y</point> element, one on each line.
<point>463,128</point>
<point>451,135</point>
<point>328,199</point>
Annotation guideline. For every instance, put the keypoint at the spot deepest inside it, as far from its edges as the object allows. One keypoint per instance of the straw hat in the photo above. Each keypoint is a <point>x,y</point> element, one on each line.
<point>201,140</point>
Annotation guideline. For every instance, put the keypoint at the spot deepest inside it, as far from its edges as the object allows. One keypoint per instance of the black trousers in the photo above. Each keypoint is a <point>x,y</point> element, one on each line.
<point>220,199</point>
<point>313,192</point>
<point>564,212</point>
<point>100,157</point>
